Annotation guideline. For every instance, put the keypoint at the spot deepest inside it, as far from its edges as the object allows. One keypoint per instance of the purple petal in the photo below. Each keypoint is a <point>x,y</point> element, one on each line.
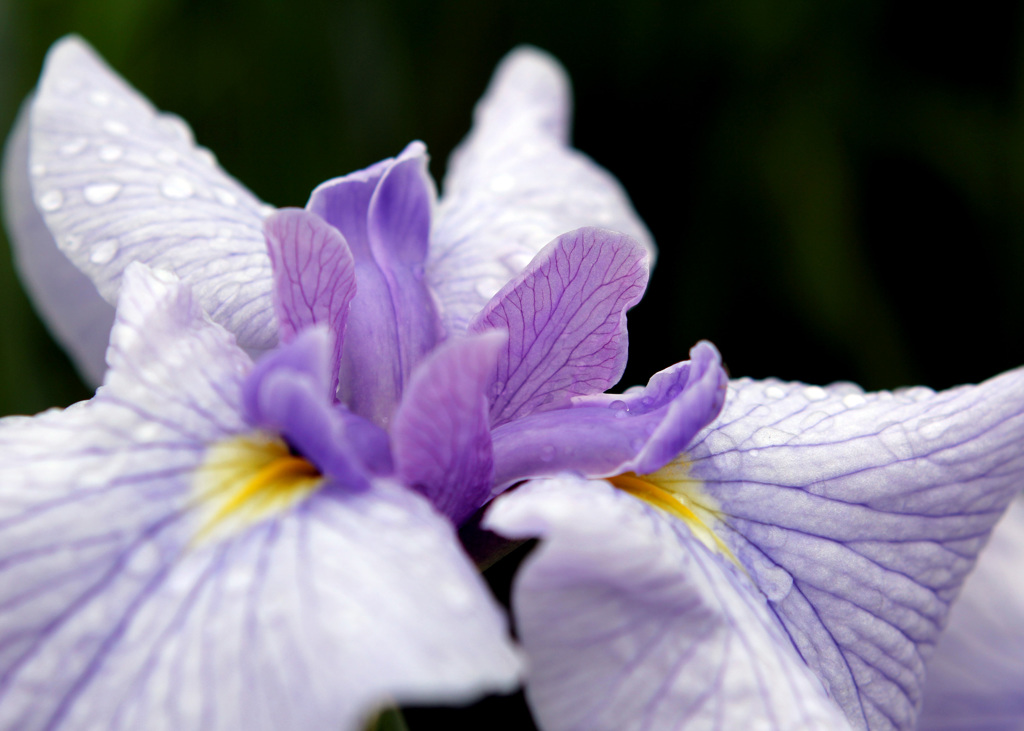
<point>976,675</point>
<point>859,516</point>
<point>67,300</point>
<point>514,184</point>
<point>111,615</point>
<point>116,182</point>
<point>441,433</point>
<point>628,622</point>
<point>285,393</point>
<point>314,277</point>
<point>566,319</point>
<point>384,214</point>
<point>606,435</point>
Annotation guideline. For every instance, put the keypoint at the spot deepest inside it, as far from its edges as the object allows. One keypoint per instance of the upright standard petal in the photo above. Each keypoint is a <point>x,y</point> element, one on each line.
<point>976,676</point>
<point>441,434</point>
<point>118,610</point>
<point>566,319</point>
<point>75,313</point>
<point>859,516</point>
<point>384,213</point>
<point>628,622</point>
<point>116,182</point>
<point>314,277</point>
<point>514,184</point>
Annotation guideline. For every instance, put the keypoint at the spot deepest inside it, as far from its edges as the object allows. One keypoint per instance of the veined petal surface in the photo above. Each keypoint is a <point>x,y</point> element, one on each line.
<point>116,181</point>
<point>514,184</point>
<point>75,313</point>
<point>975,679</point>
<point>116,613</point>
<point>629,622</point>
<point>566,319</point>
<point>859,515</point>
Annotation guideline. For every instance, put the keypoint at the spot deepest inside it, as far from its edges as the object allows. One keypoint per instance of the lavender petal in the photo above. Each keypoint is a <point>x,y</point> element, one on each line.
<point>314,277</point>
<point>441,435</point>
<point>118,182</point>
<point>629,623</point>
<point>384,214</point>
<point>566,319</point>
<point>608,434</point>
<point>975,677</point>
<point>67,300</point>
<point>859,516</point>
<point>514,184</point>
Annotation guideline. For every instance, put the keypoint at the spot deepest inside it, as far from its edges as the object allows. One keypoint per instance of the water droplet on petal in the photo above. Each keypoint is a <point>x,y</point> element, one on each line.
<point>774,392</point>
<point>100,98</point>
<point>167,156</point>
<point>73,147</point>
<point>225,196</point>
<point>547,453</point>
<point>815,393</point>
<point>51,200</point>
<point>647,401</point>
<point>101,193</point>
<point>177,187</point>
<point>854,400</point>
<point>109,153</point>
<point>175,125</point>
<point>617,405</point>
<point>114,127</point>
<point>104,251</point>
<point>37,169</point>
<point>636,444</point>
<point>207,156</point>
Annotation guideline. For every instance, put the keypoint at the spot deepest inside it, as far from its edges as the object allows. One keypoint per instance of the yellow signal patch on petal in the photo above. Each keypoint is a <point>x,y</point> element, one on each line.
<point>672,489</point>
<point>246,479</point>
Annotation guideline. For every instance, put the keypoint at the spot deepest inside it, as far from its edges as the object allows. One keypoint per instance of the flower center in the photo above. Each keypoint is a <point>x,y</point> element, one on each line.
<point>246,479</point>
<point>672,489</point>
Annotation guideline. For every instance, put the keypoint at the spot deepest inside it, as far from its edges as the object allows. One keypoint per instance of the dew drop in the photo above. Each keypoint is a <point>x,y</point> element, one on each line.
<point>100,98</point>
<point>167,156</point>
<point>101,193</point>
<point>51,200</point>
<point>207,156</point>
<point>176,126</point>
<point>774,392</point>
<point>104,251</point>
<point>647,401</point>
<point>617,405</point>
<point>75,146</point>
<point>37,169</point>
<point>854,400</point>
<point>177,187</point>
<point>636,444</point>
<point>815,393</point>
<point>266,210</point>
<point>114,127</point>
<point>225,197</point>
<point>109,153</point>
<point>547,453</point>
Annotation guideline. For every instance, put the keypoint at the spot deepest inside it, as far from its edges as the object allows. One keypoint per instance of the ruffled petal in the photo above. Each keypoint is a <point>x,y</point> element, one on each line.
<point>608,434</point>
<point>116,182</point>
<point>75,313</point>
<point>514,184</point>
<point>975,679</point>
<point>314,277</point>
<point>384,213</point>
<point>859,515</point>
<point>116,613</point>
<point>628,622</point>
<point>441,434</point>
<point>566,319</point>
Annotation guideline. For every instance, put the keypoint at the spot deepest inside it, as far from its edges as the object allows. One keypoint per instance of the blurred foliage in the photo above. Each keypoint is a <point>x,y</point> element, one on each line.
<point>836,187</point>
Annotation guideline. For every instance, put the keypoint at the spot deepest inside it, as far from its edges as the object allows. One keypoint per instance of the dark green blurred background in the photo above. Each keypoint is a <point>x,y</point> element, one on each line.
<point>836,187</point>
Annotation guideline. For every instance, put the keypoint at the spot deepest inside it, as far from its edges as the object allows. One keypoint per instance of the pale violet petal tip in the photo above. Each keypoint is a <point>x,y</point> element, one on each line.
<point>116,182</point>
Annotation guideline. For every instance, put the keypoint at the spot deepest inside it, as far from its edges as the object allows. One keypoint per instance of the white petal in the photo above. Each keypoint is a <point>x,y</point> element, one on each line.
<point>514,184</point>
<point>119,182</point>
<point>629,622</point>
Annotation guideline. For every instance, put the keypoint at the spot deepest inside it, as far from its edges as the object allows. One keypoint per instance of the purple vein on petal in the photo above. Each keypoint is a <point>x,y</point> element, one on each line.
<point>566,319</point>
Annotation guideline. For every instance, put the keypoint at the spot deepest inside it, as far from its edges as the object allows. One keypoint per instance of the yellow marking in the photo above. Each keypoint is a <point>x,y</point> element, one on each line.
<point>673,491</point>
<point>245,479</point>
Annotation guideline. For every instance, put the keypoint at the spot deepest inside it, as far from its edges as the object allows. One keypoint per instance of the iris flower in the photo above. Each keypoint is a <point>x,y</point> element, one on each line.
<point>786,560</point>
